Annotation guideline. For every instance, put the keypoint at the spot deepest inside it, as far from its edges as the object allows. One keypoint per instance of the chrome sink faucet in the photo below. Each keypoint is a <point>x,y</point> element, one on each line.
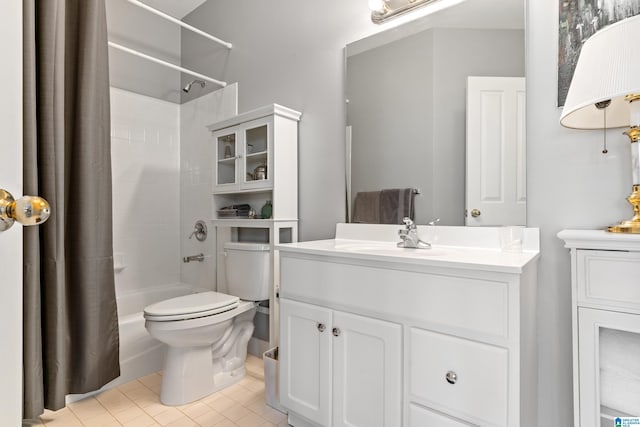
<point>409,235</point>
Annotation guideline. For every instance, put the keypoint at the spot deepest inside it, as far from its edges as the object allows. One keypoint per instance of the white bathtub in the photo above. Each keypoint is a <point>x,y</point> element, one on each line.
<point>140,354</point>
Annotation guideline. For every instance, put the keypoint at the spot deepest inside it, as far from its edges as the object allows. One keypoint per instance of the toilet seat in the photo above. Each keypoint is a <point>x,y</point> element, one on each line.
<point>191,306</point>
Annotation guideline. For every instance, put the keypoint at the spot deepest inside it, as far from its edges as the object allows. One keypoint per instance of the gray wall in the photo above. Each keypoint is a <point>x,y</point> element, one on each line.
<point>571,184</point>
<point>289,51</point>
<point>407,103</point>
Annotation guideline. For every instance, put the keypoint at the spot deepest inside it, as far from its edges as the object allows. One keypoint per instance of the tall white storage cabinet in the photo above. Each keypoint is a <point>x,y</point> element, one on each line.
<point>256,160</point>
<point>605,284</point>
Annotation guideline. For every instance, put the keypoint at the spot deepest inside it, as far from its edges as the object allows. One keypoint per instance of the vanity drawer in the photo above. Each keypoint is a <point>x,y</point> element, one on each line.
<point>479,391</point>
<point>464,306</point>
<point>609,278</point>
<point>423,417</point>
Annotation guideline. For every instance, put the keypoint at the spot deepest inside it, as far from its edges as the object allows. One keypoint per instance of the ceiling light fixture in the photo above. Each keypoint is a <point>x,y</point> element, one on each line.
<point>382,10</point>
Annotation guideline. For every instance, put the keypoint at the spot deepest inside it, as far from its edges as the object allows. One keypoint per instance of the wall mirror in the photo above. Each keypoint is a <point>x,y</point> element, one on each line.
<point>406,92</point>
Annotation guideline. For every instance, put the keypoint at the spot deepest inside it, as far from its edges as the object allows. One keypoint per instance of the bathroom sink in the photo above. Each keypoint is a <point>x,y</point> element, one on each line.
<point>388,249</point>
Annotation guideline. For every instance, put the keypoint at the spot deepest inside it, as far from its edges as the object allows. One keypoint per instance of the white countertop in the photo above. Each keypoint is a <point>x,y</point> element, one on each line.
<point>449,248</point>
<point>600,239</point>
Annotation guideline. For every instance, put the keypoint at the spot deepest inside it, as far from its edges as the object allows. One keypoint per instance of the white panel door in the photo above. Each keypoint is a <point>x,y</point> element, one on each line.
<point>11,240</point>
<point>367,372</point>
<point>305,360</point>
<point>496,151</point>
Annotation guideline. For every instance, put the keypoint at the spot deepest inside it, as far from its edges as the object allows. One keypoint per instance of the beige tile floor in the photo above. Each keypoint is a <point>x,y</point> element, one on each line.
<point>137,404</point>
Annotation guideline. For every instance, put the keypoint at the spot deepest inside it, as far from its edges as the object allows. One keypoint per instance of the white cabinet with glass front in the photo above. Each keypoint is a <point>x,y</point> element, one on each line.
<point>255,189</point>
<point>246,146</point>
<point>605,271</point>
<point>242,156</point>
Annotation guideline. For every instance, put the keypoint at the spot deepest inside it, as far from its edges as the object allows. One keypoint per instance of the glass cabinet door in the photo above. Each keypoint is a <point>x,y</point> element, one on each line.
<point>226,156</point>
<point>257,153</point>
<point>609,367</point>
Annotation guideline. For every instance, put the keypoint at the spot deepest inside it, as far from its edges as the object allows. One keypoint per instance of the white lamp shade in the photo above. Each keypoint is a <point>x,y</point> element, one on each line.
<point>608,68</point>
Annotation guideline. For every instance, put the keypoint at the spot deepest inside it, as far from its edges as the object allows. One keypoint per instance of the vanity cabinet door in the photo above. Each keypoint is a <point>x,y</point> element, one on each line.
<point>305,360</point>
<point>367,372</point>
<point>338,369</point>
<point>422,417</point>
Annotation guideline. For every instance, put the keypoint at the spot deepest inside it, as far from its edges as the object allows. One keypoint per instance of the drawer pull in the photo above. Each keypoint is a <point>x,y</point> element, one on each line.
<point>451,377</point>
<point>336,332</point>
<point>321,327</point>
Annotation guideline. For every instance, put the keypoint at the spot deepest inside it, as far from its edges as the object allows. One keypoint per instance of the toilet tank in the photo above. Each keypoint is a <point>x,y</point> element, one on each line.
<point>248,270</point>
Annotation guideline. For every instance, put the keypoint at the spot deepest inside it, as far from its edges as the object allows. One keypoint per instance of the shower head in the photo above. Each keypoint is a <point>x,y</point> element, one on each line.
<point>187,88</point>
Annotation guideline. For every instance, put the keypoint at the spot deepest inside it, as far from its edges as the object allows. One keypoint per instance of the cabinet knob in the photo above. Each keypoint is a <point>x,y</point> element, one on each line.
<point>475,213</point>
<point>451,377</point>
<point>335,332</point>
<point>321,327</point>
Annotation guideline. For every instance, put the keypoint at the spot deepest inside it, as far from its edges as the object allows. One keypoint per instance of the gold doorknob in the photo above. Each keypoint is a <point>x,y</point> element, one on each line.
<point>27,210</point>
<point>475,213</point>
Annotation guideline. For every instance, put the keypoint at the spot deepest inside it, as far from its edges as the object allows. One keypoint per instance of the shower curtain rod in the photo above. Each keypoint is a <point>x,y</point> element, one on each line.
<point>179,22</point>
<point>166,64</point>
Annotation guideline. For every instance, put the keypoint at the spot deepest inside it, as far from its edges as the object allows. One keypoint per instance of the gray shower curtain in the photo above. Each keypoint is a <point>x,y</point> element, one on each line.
<point>70,319</point>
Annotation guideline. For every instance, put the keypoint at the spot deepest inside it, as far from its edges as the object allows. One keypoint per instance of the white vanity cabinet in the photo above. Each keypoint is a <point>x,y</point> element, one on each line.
<point>422,339</point>
<point>339,369</point>
<point>605,271</point>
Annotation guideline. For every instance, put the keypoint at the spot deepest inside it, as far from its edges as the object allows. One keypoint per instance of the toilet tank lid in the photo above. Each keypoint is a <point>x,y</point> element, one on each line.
<point>244,246</point>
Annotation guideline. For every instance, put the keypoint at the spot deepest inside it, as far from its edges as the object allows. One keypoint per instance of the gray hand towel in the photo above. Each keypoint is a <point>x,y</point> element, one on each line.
<point>366,207</point>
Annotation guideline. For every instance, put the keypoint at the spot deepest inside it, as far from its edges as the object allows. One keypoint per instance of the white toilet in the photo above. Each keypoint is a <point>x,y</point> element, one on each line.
<point>207,333</point>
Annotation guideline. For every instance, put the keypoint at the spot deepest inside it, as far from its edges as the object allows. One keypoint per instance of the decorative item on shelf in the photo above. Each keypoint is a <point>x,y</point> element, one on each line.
<point>234,211</point>
<point>267,210</point>
<point>260,172</point>
<point>227,151</point>
<point>252,213</point>
<point>605,92</point>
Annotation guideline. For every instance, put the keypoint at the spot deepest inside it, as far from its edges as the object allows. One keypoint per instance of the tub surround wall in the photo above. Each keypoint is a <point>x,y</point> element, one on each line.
<point>145,149</point>
<point>196,166</point>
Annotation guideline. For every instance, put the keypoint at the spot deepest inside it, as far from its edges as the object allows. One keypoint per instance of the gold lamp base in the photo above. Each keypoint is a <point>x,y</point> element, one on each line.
<point>631,226</point>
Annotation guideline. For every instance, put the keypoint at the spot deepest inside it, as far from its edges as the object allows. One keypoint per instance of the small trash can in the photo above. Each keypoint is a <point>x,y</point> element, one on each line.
<point>271,386</point>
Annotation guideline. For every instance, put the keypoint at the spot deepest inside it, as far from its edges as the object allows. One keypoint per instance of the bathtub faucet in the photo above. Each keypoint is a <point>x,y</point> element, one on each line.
<point>199,258</point>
